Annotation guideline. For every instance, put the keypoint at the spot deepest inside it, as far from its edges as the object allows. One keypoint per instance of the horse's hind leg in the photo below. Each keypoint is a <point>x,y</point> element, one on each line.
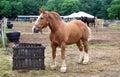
<point>80,46</point>
<point>86,55</point>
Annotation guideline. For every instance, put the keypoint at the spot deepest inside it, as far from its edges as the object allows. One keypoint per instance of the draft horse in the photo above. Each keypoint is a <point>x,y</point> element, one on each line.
<point>88,21</point>
<point>63,34</point>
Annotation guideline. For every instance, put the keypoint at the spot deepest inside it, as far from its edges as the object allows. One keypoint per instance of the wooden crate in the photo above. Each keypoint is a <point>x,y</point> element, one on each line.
<point>28,56</point>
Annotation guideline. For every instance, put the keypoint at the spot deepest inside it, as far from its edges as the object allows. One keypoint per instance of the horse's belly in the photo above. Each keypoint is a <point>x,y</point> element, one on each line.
<point>72,40</point>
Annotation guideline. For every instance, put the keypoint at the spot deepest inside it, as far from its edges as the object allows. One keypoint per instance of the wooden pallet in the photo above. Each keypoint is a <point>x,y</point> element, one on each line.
<point>28,56</point>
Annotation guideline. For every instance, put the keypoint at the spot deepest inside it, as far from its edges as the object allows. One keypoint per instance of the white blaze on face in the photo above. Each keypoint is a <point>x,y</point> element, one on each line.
<point>36,22</point>
<point>38,19</point>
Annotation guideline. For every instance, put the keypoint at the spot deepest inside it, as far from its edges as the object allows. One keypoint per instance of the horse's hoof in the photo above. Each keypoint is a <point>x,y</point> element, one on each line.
<point>63,69</point>
<point>79,62</point>
<point>85,63</point>
<point>53,67</point>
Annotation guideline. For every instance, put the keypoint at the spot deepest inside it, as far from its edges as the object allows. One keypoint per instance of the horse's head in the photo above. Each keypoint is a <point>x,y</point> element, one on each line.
<point>41,22</point>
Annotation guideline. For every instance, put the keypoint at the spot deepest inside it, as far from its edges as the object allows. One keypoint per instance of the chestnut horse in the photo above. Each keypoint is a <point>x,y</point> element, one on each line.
<point>63,34</point>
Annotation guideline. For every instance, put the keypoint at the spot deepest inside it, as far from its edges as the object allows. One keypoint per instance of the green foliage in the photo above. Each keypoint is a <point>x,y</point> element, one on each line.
<point>65,7</point>
<point>96,7</point>
<point>30,7</point>
<point>105,5</point>
<point>12,8</point>
<point>17,7</point>
<point>114,9</point>
<point>54,5</point>
<point>100,8</point>
<point>5,8</point>
<point>70,6</point>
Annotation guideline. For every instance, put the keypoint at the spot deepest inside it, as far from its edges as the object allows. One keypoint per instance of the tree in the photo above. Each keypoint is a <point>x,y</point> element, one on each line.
<point>92,7</point>
<point>30,7</point>
<point>114,10</point>
<point>54,5</point>
<point>63,7</point>
<point>17,9</point>
<point>5,9</point>
<point>96,7</point>
<point>70,6</point>
<point>105,5</point>
<point>12,8</point>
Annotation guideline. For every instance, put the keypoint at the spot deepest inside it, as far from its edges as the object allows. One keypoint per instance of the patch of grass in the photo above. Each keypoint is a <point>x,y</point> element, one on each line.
<point>116,26</point>
<point>5,64</point>
<point>5,38</point>
<point>74,46</point>
<point>6,69</point>
<point>102,45</point>
<point>0,42</point>
<point>7,30</point>
<point>22,23</point>
<point>96,68</point>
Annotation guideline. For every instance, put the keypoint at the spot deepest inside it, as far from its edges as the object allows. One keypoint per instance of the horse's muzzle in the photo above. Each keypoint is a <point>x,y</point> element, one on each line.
<point>35,30</point>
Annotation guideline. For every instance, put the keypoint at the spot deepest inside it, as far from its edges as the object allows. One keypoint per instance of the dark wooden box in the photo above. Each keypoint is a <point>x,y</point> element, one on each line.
<point>28,56</point>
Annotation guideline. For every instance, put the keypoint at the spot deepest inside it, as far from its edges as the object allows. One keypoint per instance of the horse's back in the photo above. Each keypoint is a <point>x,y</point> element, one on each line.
<point>78,29</point>
<point>76,22</point>
<point>77,25</point>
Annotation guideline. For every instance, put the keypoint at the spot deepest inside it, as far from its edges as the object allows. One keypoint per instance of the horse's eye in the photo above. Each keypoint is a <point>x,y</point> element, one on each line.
<point>41,18</point>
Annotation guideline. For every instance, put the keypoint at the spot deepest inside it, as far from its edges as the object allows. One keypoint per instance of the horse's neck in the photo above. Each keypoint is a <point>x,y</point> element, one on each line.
<point>55,27</point>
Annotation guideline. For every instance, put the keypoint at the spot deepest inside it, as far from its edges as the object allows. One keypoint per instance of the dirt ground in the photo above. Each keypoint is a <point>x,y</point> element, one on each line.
<point>104,53</point>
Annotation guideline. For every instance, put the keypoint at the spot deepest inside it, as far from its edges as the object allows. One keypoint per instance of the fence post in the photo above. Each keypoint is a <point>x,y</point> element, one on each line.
<point>3,23</point>
<point>2,27</point>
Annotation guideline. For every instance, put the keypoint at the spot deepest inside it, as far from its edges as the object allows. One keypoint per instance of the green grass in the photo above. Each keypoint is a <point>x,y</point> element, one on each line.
<point>6,69</point>
<point>5,38</point>
<point>5,64</point>
<point>96,45</point>
<point>103,45</point>
<point>116,26</point>
<point>0,42</point>
<point>22,23</point>
<point>7,30</point>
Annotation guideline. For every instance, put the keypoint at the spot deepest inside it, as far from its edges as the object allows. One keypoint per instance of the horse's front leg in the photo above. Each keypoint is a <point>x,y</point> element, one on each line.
<point>63,66</point>
<point>53,65</point>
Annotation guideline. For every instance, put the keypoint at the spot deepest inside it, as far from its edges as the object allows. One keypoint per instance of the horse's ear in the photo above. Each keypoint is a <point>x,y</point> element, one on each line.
<point>42,10</point>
